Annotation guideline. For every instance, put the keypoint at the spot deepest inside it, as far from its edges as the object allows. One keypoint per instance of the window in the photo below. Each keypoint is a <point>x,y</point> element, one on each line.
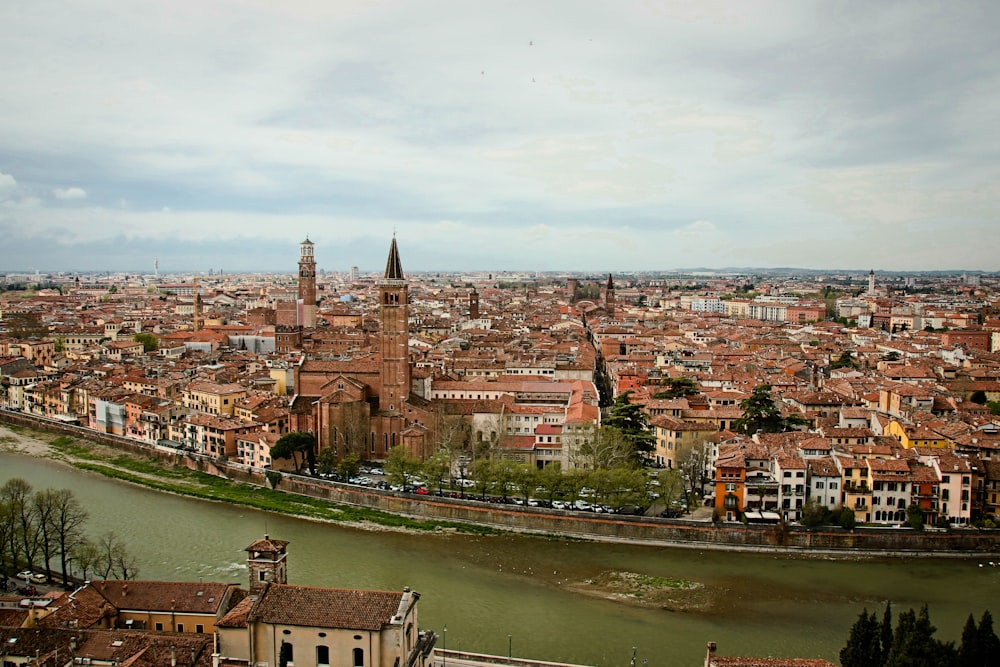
<point>180,627</point>
<point>322,655</point>
<point>359,657</point>
<point>200,629</point>
<point>159,627</point>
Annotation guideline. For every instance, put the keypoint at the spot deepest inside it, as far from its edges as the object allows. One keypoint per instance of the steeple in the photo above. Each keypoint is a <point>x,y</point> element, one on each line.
<point>394,267</point>
<point>395,336</point>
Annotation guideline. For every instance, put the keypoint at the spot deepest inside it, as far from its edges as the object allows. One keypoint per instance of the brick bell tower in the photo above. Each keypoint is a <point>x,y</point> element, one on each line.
<point>307,284</point>
<point>394,341</point>
<point>267,562</point>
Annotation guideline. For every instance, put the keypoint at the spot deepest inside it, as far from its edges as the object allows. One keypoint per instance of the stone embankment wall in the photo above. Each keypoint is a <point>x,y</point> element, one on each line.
<point>619,528</point>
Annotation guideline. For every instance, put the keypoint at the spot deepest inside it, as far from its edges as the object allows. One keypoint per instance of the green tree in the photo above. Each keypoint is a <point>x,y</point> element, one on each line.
<point>969,651</point>
<point>845,360</point>
<point>326,462</point>
<point>628,418</point>
<point>761,414</point>
<point>814,514</point>
<point>550,478</point>
<point>437,468</point>
<point>885,629</point>
<point>915,517</point>
<point>299,447</point>
<point>847,518</point>
<point>400,467</point>
<point>273,478</point>
<point>150,343</point>
<point>525,479</point>
<point>863,648</point>
<point>913,643</point>
<point>677,387</point>
<point>349,466</point>
<point>671,486</point>
<point>994,407</point>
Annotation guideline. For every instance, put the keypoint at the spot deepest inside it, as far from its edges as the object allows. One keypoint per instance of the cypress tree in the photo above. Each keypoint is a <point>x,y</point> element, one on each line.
<point>886,630</point>
<point>969,652</point>
<point>862,648</point>
<point>989,644</point>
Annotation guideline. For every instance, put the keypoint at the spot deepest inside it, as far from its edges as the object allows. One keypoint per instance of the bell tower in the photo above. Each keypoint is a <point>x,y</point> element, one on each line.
<point>609,297</point>
<point>266,559</point>
<point>394,341</point>
<point>307,284</point>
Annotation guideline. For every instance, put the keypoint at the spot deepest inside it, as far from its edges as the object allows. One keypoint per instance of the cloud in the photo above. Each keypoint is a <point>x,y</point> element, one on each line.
<point>70,193</point>
<point>649,134</point>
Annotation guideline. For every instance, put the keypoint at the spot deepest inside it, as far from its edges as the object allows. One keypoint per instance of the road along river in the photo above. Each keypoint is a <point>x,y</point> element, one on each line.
<point>559,600</point>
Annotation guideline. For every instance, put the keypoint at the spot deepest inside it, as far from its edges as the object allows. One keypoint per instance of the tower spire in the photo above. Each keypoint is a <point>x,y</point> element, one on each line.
<point>393,266</point>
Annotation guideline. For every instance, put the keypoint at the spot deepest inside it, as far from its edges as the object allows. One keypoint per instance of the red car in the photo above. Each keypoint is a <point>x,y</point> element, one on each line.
<point>422,491</point>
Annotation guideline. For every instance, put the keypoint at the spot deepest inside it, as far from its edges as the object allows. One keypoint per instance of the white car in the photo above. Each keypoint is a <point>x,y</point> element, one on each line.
<point>33,577</point>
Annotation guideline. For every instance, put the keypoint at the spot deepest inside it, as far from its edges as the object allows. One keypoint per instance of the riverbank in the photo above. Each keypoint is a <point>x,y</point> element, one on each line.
<point>189,474</point>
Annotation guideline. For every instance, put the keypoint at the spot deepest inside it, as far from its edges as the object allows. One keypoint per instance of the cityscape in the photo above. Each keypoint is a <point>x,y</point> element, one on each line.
<point>813,402</point>
<point>448,334</point>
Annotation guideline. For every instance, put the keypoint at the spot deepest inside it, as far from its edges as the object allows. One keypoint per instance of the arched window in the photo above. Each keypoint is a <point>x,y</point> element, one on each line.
<point>359,657</point>
<point>322,655</point>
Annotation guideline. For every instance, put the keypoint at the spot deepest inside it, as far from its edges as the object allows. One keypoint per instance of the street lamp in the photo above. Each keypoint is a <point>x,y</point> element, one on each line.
<point>444,652</point>
<point>509,639</point>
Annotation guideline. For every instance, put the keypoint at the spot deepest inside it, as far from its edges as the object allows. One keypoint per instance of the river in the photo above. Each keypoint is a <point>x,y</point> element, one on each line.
<point>513,592</point>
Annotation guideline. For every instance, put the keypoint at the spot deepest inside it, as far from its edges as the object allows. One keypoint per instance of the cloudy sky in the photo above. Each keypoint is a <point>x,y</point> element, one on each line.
<point>541,135</point>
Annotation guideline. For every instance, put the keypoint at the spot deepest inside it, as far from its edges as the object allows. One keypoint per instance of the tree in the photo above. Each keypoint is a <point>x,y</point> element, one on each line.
<point>969,651</point>
<point>606,447</point>
<point>693,460</point>
<point>150,343</point>
<point>915,517</point>
<point>400,467</point>
<point>629,419</point>
<point>847,518</point>
<point>845,360</point>
<point>87,556</point>
<point>814,514</point>
<point>273,478</point>
<point>326,462</point>
<point>114,558</point>
<point>863,648</point>
<point>885,629</point>
<point>349,466</point>
<point>437,468</point>
<point>913,643</point>
<point>980,646</point>
<point>299,446</point>
<point>672,485</point>
<point>761,414</point>
<point>677,387</point>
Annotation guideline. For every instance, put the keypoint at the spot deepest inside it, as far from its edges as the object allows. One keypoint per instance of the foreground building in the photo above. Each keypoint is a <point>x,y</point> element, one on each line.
<point>155,623</point>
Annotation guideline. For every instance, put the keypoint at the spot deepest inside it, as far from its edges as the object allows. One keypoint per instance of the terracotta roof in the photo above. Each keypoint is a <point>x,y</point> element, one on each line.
<point>181,596</point>
<point>326,607</point>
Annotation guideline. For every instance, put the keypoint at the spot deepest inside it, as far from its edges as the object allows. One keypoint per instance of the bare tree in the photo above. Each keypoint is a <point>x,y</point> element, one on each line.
<point>25,536</point>
<point>114,558</point>
<point>87,556</point>
<point>67,519</point>
<point>355,428</point>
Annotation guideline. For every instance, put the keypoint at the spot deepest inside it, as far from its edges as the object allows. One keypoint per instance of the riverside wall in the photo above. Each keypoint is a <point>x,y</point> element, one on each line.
<point>862,541</point>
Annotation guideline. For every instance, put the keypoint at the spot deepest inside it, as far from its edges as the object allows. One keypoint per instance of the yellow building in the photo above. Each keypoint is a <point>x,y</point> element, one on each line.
<point>917,436</point>
<point>213,398</point>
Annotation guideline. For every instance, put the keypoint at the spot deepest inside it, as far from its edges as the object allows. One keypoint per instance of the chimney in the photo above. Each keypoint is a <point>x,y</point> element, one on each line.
<point>710,656</point>
<point>124,590</point>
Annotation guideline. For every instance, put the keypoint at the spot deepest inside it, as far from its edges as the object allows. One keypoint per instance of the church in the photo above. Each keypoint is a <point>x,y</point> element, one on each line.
<point>365,406</point>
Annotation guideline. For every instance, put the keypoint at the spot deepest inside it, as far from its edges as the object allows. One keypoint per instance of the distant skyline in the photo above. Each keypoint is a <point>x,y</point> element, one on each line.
<point>521,136</point>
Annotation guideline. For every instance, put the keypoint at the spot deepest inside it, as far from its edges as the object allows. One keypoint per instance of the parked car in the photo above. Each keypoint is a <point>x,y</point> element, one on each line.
<point>33,577</point>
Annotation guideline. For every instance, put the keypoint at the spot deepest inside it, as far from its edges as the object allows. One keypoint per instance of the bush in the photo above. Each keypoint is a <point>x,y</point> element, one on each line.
<point>847,519</point>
